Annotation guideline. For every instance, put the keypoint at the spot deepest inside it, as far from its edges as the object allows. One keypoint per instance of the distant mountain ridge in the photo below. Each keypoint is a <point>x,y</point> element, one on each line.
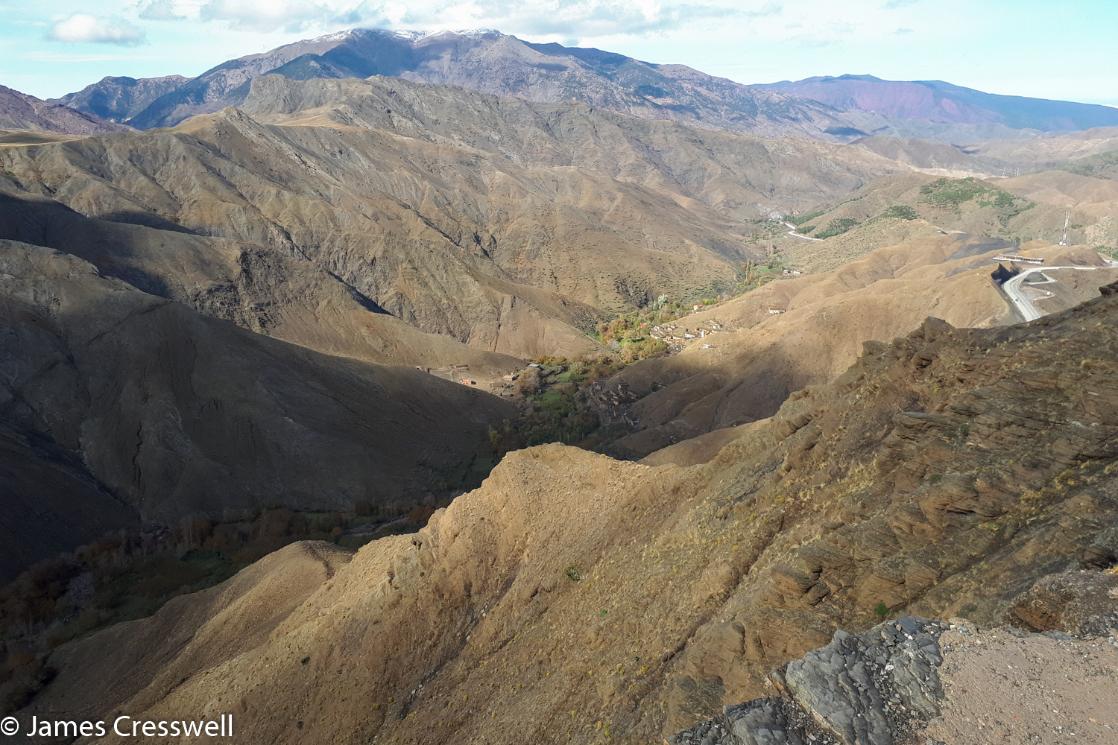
<point>118,99</point>
<point>23,111</point>
<point>844,107</point>
<point>509,225</point>
<point>939,102</point>
<point>502,65</point>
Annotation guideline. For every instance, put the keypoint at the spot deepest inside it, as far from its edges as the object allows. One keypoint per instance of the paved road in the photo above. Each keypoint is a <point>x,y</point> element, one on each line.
<point>792,232</point>
<point>1019,300</point>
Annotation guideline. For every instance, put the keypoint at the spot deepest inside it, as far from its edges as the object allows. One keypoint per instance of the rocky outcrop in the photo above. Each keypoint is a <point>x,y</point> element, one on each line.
<point>1083,602</point>
<point>873,688</point>
<point>914,681</point>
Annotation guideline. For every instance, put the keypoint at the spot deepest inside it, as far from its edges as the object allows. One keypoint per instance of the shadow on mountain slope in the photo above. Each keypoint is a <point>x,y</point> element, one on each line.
<point>577,598</point>
<point>116,392</point>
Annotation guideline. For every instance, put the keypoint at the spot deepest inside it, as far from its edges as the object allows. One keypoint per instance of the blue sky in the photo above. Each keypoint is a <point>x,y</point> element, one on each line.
<point>1027,47</point>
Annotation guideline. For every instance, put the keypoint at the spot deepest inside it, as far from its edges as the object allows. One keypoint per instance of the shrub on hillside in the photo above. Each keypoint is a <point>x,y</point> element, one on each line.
<point>950,193</point>
<point>901,212</point>
<point>838,226</point>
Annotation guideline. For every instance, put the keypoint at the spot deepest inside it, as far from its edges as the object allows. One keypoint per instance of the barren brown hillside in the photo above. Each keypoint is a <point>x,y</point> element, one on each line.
<point>20,111</point>
<point>1091,200</point>
<point>120,405</point>
<point>802,331</point>
<point>1026,196</point>
<point>573,598</point>
<point>258,289</point>
<point>1047,150</point>
<point>980,206</point>
<point>506,225</point>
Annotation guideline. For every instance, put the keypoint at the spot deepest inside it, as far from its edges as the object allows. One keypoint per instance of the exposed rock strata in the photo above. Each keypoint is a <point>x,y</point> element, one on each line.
<point>914,681</point>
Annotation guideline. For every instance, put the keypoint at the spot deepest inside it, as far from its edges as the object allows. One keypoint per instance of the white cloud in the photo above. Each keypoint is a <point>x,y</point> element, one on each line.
<point>554,19</point>
<point>272,15</point>
<point>601,22</point>
<point>584,19</point>
<point>83,28</point>
<point>585,22</point>
<point>161,10</point>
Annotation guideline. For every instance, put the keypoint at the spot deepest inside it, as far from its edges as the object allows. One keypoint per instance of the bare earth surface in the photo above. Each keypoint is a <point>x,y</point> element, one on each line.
<point>1008,688</point>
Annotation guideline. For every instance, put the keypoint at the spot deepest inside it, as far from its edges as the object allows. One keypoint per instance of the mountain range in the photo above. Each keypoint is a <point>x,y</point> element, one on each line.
<point>389,222</point>
<point>508,225</point>
<point>933,107</point>
<point>845,107</point>
<point>494,63</point>
<point>427,388</point>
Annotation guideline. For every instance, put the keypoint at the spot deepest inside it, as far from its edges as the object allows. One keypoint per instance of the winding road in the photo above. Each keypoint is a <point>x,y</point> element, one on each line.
<point>792,232</point>
<point>1022,302</point>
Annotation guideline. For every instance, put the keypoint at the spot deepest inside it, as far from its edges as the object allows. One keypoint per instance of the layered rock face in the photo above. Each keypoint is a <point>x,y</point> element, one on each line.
<point>868,689</point>
<point>914,681</point>
<point>1082,603</point>
<point>573,597</point>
